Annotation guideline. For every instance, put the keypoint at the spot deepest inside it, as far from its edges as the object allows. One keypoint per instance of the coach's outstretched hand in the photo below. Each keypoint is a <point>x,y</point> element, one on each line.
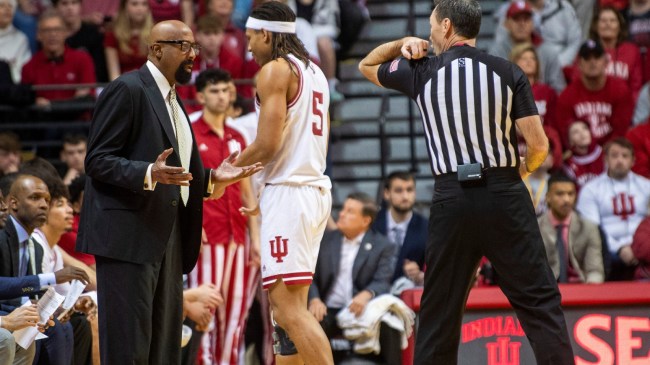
<point>172,175</point>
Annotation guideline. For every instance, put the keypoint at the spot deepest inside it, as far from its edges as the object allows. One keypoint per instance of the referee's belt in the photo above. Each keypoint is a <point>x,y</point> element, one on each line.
<point>486,173</point>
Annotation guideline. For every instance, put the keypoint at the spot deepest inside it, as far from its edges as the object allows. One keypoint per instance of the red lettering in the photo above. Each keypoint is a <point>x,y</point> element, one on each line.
<point>590,342</point>
<point>316,102</point>
<point>626,342</point>
<point>508,327</point>
<point>489,327</point>
<point>503,352</point>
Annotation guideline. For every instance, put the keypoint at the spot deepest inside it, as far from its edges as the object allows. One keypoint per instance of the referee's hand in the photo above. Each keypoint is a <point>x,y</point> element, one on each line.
<point>414,48</point>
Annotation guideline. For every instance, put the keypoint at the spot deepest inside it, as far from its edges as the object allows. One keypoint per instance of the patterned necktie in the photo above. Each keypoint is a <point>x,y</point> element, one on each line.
<point>398,234</point>
<point>184,150</point>
<point>26,259</point>
<point>561,252</point>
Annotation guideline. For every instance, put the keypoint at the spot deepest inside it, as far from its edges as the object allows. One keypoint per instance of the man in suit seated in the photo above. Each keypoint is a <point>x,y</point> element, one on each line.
<point>355,264</point>
<point>405,227</point>
<point>573,244</point>
<point>28,205</point>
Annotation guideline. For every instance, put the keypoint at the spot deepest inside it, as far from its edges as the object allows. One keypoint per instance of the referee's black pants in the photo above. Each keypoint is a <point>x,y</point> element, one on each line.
<point>494,219</point>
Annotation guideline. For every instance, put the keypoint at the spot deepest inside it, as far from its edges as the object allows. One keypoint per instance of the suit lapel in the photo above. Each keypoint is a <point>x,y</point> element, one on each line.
<point>158,105</point>
<point>574,231</point>
<point>335,251</point>
<point>364,252</point>
<point>14,246</point>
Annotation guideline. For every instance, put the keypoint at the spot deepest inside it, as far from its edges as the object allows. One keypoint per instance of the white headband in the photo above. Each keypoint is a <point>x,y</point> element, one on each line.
<point>271,26</point>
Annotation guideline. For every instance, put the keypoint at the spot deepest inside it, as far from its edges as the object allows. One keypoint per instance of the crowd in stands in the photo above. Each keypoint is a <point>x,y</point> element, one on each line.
<point>587,62</point>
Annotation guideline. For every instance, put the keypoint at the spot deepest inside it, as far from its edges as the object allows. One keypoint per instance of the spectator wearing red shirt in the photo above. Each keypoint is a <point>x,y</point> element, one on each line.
<point>83,36</point>
<point>586,161</point>
<point>638,18</point>
<point>69,239</point>
<point>126,43</point>
<point>640,138</point>
<point>602,101</point>
<point>210,36</point>
<point>609,26</point>
<point>182,10</point>
<point>524,55</point>
<point>57,64</point>
<point>227,259</point>
<point>235,39</point>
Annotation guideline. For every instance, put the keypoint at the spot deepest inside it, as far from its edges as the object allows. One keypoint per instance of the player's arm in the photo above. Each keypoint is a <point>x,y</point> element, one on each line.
<point>409,47</point>
<point>272,88</point>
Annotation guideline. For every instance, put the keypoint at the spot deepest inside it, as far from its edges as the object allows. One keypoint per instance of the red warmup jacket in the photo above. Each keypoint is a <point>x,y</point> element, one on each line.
<point>640,138</point>
<point>608,111</point>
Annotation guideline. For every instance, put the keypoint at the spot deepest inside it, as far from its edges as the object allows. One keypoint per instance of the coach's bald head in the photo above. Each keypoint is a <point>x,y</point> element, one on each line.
<point>172,49</point>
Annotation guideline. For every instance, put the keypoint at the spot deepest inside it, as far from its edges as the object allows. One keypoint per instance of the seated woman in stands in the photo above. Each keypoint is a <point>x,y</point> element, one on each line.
<point>126,43</point>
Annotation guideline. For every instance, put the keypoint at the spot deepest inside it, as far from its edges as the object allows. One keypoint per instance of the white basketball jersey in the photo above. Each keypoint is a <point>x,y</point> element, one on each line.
<point>301,158</point>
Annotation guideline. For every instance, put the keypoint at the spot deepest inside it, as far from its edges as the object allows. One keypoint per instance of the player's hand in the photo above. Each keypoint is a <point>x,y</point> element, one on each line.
<point>209,295</point>
<point>359,302</point>
<point>227,173</point>
<point>627,255</point>
<point>43,326</point>
<point>199,313</point>
<point>171,175</point>
<point>318,309</point>
<point>20,318</point>
<point>414,48</point>
<point>254,211</point>
<point>87,306</point>
<point>70,273</point>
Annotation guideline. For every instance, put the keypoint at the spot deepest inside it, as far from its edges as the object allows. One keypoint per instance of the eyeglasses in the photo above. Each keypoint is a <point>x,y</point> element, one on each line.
<point>185,46</point>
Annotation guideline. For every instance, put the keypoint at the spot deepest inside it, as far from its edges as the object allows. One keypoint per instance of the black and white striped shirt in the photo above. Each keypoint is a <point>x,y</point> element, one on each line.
<point>469,101</point>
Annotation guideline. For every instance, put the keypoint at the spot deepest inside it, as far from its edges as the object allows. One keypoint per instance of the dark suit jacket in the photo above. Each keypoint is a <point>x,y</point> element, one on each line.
<point>120,219</point>
<point>16,287</point>
<point>372,269</point>
<point>584,248</point>
<point>415,240</point>
<point>9,259</point>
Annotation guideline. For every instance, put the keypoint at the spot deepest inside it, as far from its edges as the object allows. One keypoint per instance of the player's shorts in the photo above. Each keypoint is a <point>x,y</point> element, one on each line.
<point>293,222</point>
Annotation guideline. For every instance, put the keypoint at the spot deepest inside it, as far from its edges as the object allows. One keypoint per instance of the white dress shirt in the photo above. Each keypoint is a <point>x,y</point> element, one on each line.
<point>165,87</point>
<point>341,293</point>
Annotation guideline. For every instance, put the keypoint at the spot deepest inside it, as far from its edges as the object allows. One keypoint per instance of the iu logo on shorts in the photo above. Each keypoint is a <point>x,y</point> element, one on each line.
<point>623,205</point>
<point>279,248</point>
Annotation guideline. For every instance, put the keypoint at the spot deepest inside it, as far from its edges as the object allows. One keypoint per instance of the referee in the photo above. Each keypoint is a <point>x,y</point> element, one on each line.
<point>470,103</point>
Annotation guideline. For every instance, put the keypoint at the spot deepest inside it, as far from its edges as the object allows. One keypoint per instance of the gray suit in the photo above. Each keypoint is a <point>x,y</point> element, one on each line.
<point>585,248</point>
<point>372,270</point>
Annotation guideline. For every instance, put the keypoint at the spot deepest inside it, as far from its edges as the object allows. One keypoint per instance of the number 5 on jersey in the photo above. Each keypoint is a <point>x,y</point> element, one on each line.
<point>316,105</point>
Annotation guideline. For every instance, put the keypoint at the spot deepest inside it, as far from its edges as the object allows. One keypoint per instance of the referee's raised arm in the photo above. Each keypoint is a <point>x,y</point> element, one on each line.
<point>409,48</point>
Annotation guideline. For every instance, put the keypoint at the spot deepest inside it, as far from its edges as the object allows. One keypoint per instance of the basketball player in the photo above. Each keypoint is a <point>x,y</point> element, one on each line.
<point>292,102</point>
